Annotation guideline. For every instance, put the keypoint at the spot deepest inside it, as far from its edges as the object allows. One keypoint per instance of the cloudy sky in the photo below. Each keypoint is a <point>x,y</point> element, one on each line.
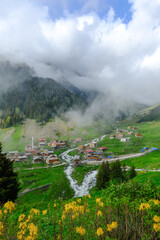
<point>107,45</point>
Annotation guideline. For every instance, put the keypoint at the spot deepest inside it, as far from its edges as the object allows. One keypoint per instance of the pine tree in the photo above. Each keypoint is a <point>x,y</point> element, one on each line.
<point>116,171</point>
<point>132,172</point>
<point>9,185</point>
<point>103,176</point>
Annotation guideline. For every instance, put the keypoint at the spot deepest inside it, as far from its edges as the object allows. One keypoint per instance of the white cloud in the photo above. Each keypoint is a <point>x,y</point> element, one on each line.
<point>93,53</point>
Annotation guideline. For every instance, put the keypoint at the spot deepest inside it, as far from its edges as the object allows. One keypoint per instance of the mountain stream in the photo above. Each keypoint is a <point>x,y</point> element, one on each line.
<point>89,180</point>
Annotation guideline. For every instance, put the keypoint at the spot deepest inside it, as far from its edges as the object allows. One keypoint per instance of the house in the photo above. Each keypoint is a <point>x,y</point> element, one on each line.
<point>42,142</point>
<point>138,135</point>
<point>128,127</point>
<point>93,158</point>
<point>13,155</point>
<point>79,139</point>
<point>120,136</point>
<point>53,159</point>
<point>81,148</point>
<point>112,136</point>
<point>93,145</point>
<point>37,160</point>
<point>77,162</point>
<point>22,158</point>
<point>130,133</point>
<point>125,139</point>
<point>101,149</point>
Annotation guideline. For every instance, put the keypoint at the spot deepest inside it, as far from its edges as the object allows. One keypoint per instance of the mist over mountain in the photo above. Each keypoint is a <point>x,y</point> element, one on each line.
<point>25,95</point>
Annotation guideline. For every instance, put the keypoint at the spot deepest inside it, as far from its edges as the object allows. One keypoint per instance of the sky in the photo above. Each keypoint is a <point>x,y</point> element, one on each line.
<point>105,45</point>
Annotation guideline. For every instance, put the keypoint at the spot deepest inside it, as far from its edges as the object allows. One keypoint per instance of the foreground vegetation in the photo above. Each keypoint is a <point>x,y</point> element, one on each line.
<point>127,211</point>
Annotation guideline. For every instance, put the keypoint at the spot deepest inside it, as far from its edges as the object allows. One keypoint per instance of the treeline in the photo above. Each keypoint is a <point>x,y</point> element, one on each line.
<point>114,173</point>
<point>40,99</point>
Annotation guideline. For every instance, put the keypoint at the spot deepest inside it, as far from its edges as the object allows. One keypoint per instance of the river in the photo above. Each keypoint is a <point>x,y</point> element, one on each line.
<point>89,180</point>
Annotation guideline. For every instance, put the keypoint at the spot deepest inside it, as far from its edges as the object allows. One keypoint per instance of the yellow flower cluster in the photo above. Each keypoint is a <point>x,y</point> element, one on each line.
<point>44,212</point>
<point>73,207</point>
<point>156,201</point>
<point>80,230</point>
<point>111,226</point>
<point>34,211</point>
<point>1,214</point>
<point>100,231</point>
<point>9,206</point>
<point>99,213</point>
<point>156,219</point>
<point>156,226</point>
<point>98,201</point>
<point>21,218</point>
<point>25,227</point>
<point>144,206</point>
<point>33,230</point>
<point>1,228</point>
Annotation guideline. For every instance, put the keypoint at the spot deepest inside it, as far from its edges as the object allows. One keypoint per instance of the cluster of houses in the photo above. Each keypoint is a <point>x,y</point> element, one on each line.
<point>123,134</point>
<point>39,154</point>
<point>90,154</point>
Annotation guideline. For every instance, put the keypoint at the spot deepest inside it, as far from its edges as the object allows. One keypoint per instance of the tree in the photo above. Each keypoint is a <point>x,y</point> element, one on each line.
<point>132,172</point>
<point>9,185</point>
<point>116,172</point>
<point>103,176</point>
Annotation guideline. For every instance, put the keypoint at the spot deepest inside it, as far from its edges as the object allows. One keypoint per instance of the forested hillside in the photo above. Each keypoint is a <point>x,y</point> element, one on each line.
<point>37,98</point>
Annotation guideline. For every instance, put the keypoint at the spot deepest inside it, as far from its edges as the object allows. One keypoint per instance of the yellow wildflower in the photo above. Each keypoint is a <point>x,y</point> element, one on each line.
<point>99,213</point>
<point>89,196</point>
<point>79,200</point>
<point>156,219</point>
<point>80,230</point>
<point>1,214</point>
<point>21,218</point>
<point>34,211</point>
<point>63,216</point>
<point>55,204</point>
<point>98,200</point>
<point>22,225</point>
<point>156,201</point>
<point>19,236</point>
<point>101,204</point>
<point>5,211</point>
<point>32,230</point>
<point>144,206</point>
<point>156,227</point>
<point>111,226</point>
<point>9,206</point>
<point>1,228</point>
<point>44,212</point>
<point>88,210</point>
<point>100,231</point>
<point>73,217</point>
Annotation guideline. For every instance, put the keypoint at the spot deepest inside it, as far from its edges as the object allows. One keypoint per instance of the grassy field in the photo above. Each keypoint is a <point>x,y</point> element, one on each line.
<point>149,161</point>
<point>38,177</point>
<point>14,141</point>
<point>151,176</point>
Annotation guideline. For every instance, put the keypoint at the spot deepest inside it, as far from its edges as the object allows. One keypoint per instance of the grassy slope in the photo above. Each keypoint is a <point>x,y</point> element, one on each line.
<point>149,161</point>
<point>144,177</point>
<point>14,142</point>
<point>39,177</point>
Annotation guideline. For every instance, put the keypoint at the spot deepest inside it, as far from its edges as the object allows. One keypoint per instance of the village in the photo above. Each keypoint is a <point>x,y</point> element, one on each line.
<point>45,151</point>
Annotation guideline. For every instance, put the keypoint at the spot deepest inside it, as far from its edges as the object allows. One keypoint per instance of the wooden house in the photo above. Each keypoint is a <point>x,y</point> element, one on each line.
<point>120,136</point>
<point>93,145</point>
<point>37,160</point>
<point>138,135</point>
<point>101,149</point>
<point>53,159</point>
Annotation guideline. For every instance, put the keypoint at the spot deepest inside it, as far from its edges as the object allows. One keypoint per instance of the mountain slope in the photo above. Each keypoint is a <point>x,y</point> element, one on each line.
<point>40,99</point>
<point>148,114</point>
